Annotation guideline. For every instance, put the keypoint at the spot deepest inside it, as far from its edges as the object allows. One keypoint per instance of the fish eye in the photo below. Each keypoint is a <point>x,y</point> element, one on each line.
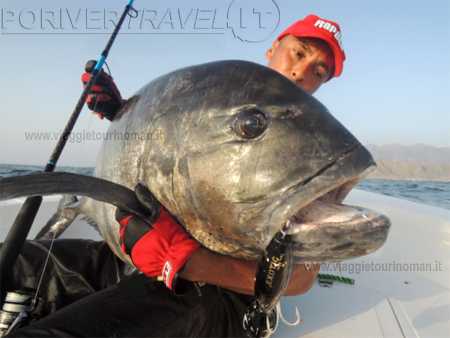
<point>251,123</point>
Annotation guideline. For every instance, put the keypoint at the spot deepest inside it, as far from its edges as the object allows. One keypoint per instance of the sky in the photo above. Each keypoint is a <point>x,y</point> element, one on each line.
<point>395,86</point>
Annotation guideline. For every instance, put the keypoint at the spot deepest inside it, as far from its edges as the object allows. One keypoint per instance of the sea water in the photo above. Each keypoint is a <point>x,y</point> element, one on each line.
<point>426,192</point>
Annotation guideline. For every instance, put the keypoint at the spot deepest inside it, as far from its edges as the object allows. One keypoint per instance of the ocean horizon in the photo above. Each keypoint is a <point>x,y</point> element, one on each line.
<point>436,193</point>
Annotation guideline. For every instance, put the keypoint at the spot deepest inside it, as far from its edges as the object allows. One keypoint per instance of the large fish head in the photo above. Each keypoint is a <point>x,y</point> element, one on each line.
<point>244,151</point>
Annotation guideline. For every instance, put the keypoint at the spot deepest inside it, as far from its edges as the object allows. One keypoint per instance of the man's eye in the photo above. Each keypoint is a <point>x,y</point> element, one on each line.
<point>318,74</point>
<point>298,53</point>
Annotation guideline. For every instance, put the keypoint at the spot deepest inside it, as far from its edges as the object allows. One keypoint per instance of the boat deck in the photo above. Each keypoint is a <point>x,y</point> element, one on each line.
<point>401,290</point>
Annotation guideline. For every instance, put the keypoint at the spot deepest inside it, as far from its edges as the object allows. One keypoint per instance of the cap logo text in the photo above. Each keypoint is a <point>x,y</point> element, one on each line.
<point>332,29</point>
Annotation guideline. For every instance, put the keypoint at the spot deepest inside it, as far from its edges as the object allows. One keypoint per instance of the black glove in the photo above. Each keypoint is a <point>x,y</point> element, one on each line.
<point>104,98</point>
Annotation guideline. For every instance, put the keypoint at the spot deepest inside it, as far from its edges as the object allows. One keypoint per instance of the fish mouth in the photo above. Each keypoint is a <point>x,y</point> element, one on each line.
<point>326,231</point>
<point>322,228</point>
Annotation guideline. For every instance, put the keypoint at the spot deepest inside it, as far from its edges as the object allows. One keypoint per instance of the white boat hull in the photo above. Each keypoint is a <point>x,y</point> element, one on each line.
<point>401,290</point>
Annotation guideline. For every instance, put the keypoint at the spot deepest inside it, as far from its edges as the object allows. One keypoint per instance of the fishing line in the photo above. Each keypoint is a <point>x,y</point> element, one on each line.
<point>109,72</point>
<point>45,267</point>
<point>75,170</point>
<point>49,251</point>
<point>19,230</point>
<point>116,55</point>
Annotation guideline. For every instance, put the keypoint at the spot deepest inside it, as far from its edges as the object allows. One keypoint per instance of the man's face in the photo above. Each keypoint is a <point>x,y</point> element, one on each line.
<point>306,61</point>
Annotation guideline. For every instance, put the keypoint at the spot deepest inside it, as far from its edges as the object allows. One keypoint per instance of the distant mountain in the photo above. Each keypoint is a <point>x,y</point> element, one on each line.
<point>420,153</point>
<point>400,170</point>
<point>416,162</point>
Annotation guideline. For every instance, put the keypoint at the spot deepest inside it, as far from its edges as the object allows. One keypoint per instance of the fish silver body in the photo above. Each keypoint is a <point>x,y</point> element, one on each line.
<point>233,150</point>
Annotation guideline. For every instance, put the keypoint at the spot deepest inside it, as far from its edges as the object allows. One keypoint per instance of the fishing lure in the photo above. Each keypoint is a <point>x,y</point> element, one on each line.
<point>272,277</point>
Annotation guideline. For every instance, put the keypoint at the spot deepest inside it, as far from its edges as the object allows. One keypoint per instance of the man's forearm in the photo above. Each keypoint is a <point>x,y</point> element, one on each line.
<point>237,274</point>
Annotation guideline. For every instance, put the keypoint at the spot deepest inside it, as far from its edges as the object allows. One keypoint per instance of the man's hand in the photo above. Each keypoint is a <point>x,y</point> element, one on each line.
<point>157,244</point>
<point>105,98</point>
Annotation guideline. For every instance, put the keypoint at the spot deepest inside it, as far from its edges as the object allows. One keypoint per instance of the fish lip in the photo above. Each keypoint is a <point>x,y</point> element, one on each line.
<point>262,220</point>
<point>322,242</point>
<point>333,179</point>
<point>325,235</point>
<point>322,237</point>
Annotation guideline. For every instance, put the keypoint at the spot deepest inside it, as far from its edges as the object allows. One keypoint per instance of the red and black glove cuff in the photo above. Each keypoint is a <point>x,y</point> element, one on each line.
<point>160,249</point>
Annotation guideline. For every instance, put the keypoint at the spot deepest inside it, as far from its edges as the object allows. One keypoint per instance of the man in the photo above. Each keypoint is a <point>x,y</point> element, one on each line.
<point>309,53</point>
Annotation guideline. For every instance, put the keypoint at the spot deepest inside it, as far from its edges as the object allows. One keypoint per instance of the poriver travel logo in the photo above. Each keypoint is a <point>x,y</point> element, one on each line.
<point>248,21</point>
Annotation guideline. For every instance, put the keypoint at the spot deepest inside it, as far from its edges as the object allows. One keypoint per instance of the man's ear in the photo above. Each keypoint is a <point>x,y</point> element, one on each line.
<point>272,49</point>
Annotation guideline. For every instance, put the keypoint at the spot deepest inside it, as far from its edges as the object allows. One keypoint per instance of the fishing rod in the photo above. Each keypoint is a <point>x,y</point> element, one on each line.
<point>18,233</point>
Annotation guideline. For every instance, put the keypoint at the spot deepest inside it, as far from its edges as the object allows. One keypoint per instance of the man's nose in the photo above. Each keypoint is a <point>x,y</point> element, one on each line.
<point>300,72</point>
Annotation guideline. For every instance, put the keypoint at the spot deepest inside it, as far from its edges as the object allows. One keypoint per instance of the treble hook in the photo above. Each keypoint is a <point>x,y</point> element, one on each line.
<point>272,277</point>
<point>279,315</point>
<point>268,332</point>
<point>297,314</point>
<point>286,230</point>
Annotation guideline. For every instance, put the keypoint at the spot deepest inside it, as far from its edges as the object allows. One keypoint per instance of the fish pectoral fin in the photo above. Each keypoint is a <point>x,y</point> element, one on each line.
<point>92,223</point>
<point>64,216</point>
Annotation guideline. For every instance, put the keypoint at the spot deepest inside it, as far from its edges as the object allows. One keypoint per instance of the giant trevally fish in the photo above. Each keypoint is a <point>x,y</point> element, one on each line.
<point>234,150</point>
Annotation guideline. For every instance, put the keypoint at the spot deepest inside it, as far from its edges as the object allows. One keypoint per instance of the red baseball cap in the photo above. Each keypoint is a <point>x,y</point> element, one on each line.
<point>314,27</point>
